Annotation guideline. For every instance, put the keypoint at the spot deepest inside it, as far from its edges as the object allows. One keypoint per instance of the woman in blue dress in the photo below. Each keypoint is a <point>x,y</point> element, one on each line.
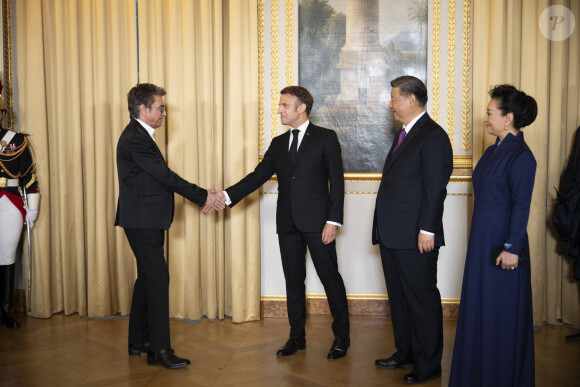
<point>494,343</point>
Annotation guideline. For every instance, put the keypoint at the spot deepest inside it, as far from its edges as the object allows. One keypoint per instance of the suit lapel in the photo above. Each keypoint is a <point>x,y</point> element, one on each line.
<point>285,152</point>
<point>407,141</point>
<point>304,143</point>
<point>143,130</point>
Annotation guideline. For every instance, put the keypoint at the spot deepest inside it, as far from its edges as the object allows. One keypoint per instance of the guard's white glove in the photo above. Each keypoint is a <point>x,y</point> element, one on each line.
<point>32,208</point>
<point>31,216</point>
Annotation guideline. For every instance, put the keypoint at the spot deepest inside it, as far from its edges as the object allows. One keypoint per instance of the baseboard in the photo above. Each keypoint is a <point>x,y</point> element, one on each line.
<point>275,306</point>
<point>358,305</point>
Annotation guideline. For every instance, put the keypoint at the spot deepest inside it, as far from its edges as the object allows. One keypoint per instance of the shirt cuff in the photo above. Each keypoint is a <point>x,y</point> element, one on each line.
<point>426,232</point>
<point>228,200</point>
<point>335,223</point>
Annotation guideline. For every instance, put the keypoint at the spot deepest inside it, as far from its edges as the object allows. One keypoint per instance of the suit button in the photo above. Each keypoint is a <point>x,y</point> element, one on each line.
<point>293,177</point>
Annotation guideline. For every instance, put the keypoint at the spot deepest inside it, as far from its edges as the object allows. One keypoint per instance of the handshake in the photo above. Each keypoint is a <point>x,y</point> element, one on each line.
<point>216,200</point>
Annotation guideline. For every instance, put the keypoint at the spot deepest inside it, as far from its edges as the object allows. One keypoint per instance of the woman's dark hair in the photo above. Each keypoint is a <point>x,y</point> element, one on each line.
<point>411,85</point>
<point>512,100</point>
<point>303,95</point>
<point>142,94</point>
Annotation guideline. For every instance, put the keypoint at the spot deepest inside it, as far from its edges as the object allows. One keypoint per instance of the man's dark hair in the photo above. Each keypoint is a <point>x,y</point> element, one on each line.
<point>512,100</point>
<point>303,95</point>
<point>411,85</point>
<point>142,94</point>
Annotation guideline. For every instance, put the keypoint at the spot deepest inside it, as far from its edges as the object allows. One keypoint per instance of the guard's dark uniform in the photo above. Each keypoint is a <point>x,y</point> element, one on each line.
<point>16,170</point>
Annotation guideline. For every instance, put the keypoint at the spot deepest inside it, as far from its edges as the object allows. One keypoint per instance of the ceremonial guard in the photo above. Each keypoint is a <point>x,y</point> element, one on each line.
<point>18,205</point>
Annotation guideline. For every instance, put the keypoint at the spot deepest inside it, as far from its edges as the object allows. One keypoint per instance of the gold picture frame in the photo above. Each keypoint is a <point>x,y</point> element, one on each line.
<point>8,91</point>
<point>277,61</point>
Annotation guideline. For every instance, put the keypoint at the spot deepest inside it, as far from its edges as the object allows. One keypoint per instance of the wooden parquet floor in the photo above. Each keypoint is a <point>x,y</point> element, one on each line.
<point>74,351</point>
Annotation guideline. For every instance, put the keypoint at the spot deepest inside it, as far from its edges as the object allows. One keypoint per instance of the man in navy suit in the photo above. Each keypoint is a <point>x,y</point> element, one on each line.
<point>308,213</point>
<point>408,227</point>
<point>145,210</point>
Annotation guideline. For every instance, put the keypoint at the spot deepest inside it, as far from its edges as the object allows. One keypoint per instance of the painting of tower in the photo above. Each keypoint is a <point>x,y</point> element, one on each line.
<point>349,52</point>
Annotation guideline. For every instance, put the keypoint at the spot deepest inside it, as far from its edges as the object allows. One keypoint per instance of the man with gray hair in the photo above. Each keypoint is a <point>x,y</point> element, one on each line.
<point>145,210</point>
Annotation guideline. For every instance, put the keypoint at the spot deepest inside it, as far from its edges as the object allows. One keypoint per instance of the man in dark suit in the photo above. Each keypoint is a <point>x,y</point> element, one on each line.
<point>408,227</point>
<point>307,215</point>
<point>145,210</point>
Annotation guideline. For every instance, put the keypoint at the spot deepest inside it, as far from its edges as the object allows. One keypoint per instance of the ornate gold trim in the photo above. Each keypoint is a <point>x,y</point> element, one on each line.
<point>466,75</point>
<point>451,23</point>
<point>350,297</point>
<point>275,72</point>
<point>363,177</point>
<point>358,305</point>
<point>436,58</point>
<point>375,192</point>
<point>462,162</point>
<point>289,42</point>
<point>8,63</point>
<point>460,179</point>
<point>273,298</point>
<point>261,66</point>
<point>361,192</point>
<point>459,162</point>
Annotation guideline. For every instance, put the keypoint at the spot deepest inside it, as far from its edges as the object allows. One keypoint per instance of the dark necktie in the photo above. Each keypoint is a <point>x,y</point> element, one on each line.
<point>294,147</point>
<point>401,137</point>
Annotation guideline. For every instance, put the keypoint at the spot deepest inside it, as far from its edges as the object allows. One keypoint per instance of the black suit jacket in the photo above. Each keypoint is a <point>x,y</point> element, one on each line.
<point>305,197</point>
<point>146,184</point>
<point>413,187</point>
<point>572,171</point>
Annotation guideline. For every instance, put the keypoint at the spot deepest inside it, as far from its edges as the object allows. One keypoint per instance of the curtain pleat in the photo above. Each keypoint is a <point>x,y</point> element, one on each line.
<point>76,62</point>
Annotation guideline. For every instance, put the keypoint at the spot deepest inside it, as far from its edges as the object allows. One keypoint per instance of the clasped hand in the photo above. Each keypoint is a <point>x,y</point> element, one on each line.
<point>216,200</point>
<point>507,260</point>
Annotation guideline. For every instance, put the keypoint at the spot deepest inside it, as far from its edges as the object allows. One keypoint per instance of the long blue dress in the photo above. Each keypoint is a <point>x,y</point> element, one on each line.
<point>494,343</point>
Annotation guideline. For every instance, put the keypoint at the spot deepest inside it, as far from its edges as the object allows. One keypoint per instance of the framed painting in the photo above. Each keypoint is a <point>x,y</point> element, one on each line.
<point>349,51</point>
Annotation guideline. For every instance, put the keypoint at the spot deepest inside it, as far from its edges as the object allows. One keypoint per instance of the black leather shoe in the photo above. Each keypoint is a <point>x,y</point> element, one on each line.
<point>166,358</point>
<point>418,378</point>
<point>138,349</point>
<point>339,348</point>
<point>392,363</point>
<point>8,319</point>
<point>292,345</point>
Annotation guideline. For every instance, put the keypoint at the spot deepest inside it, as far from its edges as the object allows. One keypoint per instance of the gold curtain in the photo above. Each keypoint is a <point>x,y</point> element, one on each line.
<point>508,47</point>
<point>76,63</point>
<point>204,53</point>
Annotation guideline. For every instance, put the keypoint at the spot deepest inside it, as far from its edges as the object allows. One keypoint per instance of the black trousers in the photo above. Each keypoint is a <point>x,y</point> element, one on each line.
<point>149,320</point>
<point>415,304</point>
<point>293,246</point>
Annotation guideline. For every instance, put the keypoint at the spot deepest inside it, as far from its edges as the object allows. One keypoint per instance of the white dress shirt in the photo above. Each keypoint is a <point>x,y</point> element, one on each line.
<point>149,129</point>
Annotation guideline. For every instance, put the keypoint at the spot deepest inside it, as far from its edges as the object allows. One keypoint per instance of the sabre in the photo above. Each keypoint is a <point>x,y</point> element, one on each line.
<point>29,279</point>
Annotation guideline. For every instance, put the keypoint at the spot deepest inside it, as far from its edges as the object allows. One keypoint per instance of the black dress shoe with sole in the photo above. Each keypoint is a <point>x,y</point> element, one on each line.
<point>419,378</point>
<point>292,345</point>
<point>166,358</point>
<point>339,348</point>
<point>392,363</point>
<point>138,349</point>
<point>7,318</point>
